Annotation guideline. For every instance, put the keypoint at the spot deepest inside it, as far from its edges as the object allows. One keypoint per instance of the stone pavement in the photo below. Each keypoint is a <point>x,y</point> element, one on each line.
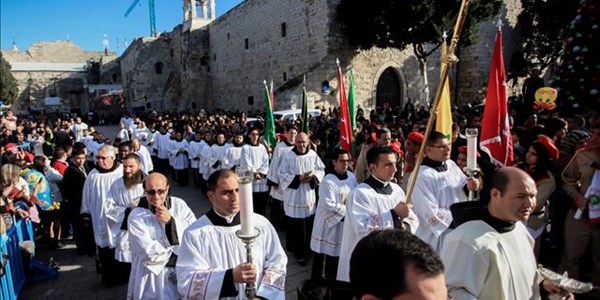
<point>78,278</point>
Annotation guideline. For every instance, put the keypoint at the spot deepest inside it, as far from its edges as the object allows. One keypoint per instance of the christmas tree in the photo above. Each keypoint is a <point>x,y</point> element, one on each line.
<point>577,75</point>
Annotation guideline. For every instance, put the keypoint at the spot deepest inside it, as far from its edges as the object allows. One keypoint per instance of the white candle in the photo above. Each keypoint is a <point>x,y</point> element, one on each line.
<point>246,208</point>
<point>471,134</point>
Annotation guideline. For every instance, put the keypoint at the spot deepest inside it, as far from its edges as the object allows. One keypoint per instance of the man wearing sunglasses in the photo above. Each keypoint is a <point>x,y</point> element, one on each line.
<point>440,183</point>
<point>155,228</point>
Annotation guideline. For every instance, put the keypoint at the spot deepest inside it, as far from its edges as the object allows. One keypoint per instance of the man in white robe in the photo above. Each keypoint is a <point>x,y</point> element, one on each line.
<point>233,153</point>
<point>197,146</point>
<point>255,157</point>
<point>93,204</point>
<point>440,183</point>
<point>78,127</point>
<point>215,158</point>
<point>146,164</point>
<point>326,238</point>
<point>374,204</point>
<point>212,259</point>
<point>276,193</point>
<point>163,145</point>
<point>178,151</point>
<point>155,229</point>
<point>384,138</point>
<point>492,257</point>
<point>124,194</point>
<point>300,172</point>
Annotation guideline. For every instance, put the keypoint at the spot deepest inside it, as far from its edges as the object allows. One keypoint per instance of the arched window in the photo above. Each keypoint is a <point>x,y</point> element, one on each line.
<point>158,67</point>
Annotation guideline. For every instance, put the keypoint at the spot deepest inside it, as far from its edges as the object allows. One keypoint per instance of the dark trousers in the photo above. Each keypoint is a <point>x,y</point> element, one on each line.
<point>196,177</point>
<point>324,266</point>
<point>297,237</point>
<point>183,177</point>
<point>277,213</point>
<point>259,201</point>
<point>162,166</point>
<point>114,272</point>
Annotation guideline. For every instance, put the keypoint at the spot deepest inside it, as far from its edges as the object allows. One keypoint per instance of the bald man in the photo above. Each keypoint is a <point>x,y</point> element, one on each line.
<point>300,172</point>
<point>492,257</point>
<point>155,228</point>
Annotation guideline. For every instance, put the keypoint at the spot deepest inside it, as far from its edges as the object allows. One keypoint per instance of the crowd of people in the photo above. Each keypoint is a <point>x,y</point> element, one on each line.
<point>345,210</point>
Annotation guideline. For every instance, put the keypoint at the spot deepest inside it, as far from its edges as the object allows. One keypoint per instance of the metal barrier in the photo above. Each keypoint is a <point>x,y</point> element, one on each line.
<point>14,277</point>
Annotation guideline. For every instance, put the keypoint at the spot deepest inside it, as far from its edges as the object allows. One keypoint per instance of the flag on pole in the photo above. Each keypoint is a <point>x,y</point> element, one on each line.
<point>352,108</point>
<point>496,139</point>
<point>345,123</point>
<point>272,96</point>
<point>351,104</point>
<point>304,108</point>
<point>270,123</point>
<point>443,121</point>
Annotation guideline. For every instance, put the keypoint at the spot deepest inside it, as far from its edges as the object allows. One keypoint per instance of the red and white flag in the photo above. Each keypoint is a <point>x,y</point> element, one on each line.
<point>496,138</point>
<point>345,123</point>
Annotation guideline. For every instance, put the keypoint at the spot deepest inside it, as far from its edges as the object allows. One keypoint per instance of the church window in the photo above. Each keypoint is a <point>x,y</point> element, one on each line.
<point>246,43</point>
<point>158,67</point>
<point>283,29</point>
<point>284,76</point>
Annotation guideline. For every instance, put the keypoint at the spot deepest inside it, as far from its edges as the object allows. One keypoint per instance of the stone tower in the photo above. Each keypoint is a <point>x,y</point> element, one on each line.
<point>192,19</point>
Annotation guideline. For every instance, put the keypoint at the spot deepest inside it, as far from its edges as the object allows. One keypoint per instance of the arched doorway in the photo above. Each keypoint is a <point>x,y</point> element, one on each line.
<point>389,89</point>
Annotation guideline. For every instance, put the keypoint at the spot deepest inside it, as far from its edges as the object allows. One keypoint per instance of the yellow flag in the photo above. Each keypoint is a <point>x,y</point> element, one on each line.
<point>443,122</point>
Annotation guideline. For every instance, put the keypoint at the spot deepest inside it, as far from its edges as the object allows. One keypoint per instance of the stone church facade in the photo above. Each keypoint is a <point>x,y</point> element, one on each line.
<point>221,63</point>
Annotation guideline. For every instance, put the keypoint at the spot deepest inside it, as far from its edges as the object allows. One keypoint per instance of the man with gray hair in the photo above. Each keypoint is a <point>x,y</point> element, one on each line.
<point>95,192</point>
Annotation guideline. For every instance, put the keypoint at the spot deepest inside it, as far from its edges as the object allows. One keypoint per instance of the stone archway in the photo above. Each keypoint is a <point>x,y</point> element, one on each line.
<point>389,88</point>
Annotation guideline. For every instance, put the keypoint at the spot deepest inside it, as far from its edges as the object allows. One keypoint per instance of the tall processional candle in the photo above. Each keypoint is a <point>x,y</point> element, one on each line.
<point>471,134</point>
<point>245,178</point>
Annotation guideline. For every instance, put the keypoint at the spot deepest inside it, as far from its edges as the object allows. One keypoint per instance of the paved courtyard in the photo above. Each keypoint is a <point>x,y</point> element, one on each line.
<point>78,278</point>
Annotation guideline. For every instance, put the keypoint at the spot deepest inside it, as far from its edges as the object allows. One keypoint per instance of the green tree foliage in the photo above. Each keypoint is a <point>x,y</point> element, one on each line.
<point>543,27</point>
<point>9,89</point>
<point>402,23</point>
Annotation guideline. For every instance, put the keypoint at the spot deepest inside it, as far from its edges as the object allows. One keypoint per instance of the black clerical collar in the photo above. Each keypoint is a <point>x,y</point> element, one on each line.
<point>298,153</point>
<point>499,225</point>
<point>439,166</point>
<point>238,145</point>
<point>288,144</point>
<point>221,221</point>
<point>379,186</point>
<point>339,176</point>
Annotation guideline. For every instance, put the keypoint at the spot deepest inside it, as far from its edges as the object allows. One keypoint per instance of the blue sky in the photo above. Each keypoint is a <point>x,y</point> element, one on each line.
<point>84,22</point>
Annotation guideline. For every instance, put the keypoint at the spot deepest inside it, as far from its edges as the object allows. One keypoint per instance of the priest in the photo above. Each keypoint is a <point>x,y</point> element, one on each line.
<point>374,204</point>
<point>155,228</point>
<point>212,259</point>
<point>255,157</point>
<point>276,192</point>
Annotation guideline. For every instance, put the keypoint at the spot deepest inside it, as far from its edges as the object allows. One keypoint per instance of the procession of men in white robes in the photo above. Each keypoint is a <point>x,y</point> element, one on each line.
<point>175,255</point>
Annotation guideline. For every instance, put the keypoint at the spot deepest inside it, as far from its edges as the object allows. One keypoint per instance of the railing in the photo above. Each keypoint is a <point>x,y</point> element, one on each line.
<point>14,277</point>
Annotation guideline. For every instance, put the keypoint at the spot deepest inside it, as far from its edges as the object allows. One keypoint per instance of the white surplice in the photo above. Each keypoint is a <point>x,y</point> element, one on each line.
<point>300,202</point>
<point>177,154</point>
<point>93,201</point>
<point>326,236</point>
<point>215,159</point>
<point>273,174</point>
<point>195,152</point>
<point>208,251</point>
<point>433,194</point>
<point>482,263</point>
<point>150,252</point>
<point>119,199</point>
<point>145,159</point>
<point>232,157</point>
<point>163,145</point>
<point>257,159</point>
<point>367,211</point>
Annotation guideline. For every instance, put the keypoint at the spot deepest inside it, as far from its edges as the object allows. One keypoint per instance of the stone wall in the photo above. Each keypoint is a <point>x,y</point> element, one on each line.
<point>223,64</point>
<point>51,69</point>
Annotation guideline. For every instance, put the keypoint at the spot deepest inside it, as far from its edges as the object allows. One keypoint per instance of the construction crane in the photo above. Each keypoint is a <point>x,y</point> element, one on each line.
<point>152,17</point>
